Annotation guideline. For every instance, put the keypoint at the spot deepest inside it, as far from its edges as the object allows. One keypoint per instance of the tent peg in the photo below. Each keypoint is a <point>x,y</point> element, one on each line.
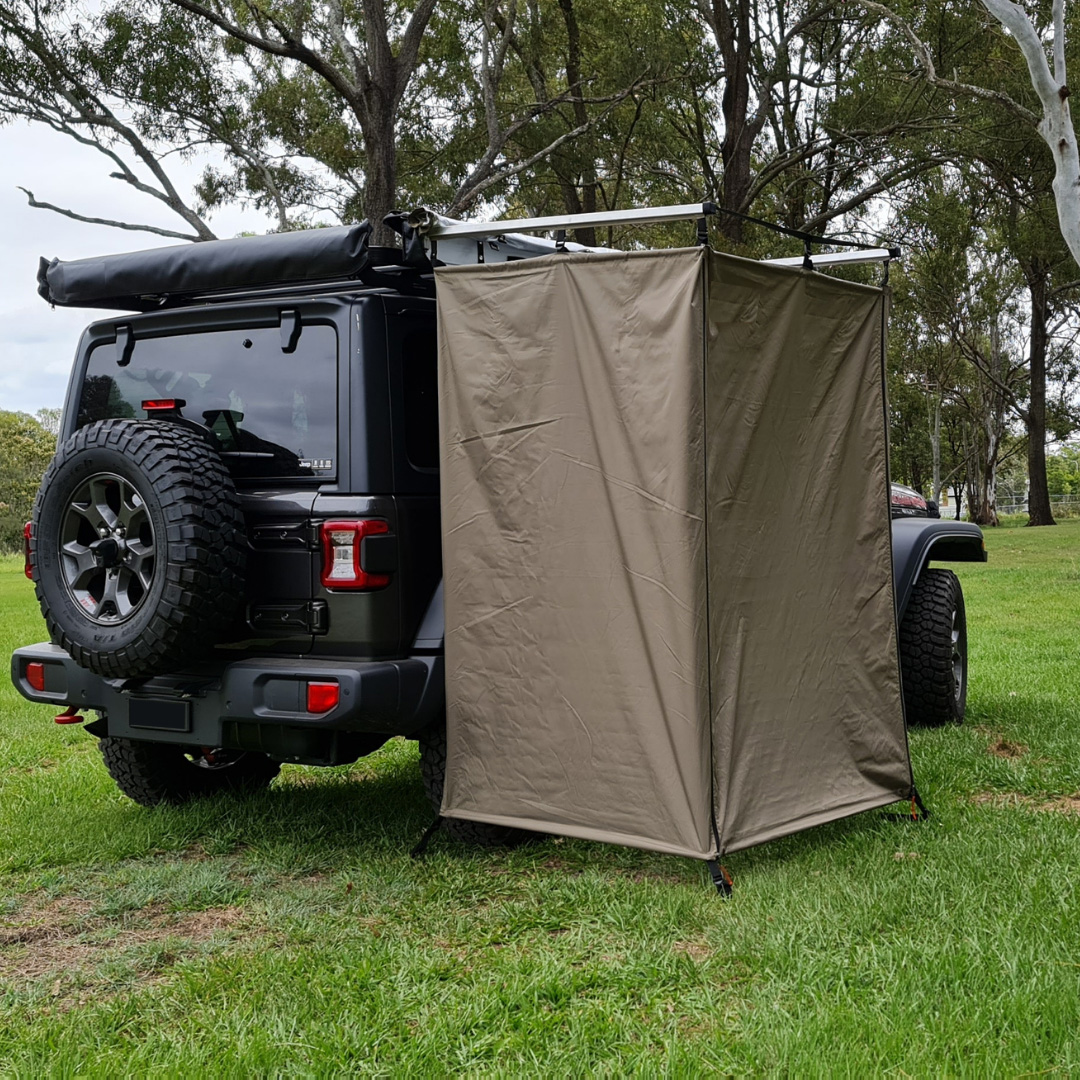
<point>720,878</point>
<point>429,832</point>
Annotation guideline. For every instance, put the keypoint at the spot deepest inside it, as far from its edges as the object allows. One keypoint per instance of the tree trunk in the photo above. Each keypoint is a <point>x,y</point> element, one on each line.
<point>1039,512</point>
<point>380,179</point>
<point>587,203</point>
<point>1056,126</point>
<point>935,448</point>
<point>984,506</point>
<point>731,24</point>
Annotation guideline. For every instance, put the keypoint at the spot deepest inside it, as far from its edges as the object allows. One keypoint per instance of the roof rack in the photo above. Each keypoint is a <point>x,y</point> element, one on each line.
<point>332,257</point>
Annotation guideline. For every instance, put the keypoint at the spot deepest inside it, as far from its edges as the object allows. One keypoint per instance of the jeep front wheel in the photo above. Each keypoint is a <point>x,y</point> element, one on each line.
<point>155,773</point>
<point>933,650</point>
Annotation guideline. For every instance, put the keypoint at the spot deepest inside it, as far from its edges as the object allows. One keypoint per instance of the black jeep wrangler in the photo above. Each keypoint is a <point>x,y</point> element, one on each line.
<point>236,548</point>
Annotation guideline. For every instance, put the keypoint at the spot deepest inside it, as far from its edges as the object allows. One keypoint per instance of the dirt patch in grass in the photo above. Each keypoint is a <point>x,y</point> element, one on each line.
<point>694,949</point>
<point>1006,748</point>
<point>60,939</point>
<point>1000,746</point>
<point>1057,804</point>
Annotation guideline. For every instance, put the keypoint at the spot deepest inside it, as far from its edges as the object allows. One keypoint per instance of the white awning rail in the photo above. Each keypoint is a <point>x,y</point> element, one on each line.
<point>456,242</point>
<point>439,227</point>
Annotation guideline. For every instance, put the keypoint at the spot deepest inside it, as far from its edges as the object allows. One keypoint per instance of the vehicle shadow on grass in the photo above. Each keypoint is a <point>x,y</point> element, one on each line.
<point>376,809</point>
<point>334,819</point>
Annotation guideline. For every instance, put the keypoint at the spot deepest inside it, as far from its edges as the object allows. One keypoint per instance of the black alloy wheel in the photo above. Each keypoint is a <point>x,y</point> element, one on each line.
<point>107,548</point>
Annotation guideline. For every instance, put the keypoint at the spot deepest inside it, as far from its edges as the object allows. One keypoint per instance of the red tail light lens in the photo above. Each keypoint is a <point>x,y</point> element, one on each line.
<point>322,696</point>
<point>35,675</point>
<point>168,404</point>
<point>341,542</point>
<point>28,565</point>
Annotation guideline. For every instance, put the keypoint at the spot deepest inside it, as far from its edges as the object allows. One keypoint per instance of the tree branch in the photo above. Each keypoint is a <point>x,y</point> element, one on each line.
<point>926,62</point>
<point>37,205</point>
<point>481,178</point>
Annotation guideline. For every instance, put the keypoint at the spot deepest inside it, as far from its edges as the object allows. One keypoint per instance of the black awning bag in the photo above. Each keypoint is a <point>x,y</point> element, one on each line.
<point>143,280</point>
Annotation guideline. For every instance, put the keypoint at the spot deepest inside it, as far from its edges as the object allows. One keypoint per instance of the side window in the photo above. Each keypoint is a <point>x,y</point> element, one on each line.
<point>272,414</point>
<point>420,385</point>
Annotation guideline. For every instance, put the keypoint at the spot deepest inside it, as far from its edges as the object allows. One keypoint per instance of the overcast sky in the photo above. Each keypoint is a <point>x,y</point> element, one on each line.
<point>37,343</point>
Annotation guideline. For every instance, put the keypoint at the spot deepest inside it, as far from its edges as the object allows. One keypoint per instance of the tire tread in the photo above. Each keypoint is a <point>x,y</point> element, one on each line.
<point>926,650</point>
<point>203,553</point>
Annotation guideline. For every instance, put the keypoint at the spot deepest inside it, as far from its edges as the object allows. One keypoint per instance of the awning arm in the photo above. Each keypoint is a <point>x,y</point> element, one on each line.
<point>430,224</point>
<point>841,258</point>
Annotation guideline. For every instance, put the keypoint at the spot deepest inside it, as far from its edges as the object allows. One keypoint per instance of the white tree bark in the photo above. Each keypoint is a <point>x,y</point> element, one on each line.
<point>1056,125</point>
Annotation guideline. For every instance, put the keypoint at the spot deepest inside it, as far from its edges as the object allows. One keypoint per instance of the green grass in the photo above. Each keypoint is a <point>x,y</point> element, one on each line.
<point>291,933</point>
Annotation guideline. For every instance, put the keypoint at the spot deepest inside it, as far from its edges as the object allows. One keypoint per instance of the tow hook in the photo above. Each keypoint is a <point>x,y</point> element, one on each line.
<point>70,717</point>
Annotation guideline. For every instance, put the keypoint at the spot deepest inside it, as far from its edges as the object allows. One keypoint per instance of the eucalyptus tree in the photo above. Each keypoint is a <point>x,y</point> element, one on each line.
<point>67,72</point>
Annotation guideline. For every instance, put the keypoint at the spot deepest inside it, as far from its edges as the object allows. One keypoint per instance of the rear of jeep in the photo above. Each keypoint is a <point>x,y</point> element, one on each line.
<point>237,547</point>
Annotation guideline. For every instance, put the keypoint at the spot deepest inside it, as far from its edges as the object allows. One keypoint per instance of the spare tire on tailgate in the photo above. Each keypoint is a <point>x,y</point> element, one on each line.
<point>137,547</point>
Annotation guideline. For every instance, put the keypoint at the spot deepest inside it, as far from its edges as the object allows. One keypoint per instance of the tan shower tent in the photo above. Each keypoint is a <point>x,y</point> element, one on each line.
<point>666,540</point>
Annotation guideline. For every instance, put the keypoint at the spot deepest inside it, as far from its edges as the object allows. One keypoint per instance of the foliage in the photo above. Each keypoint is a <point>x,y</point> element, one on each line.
<point>1063,471</point>
<point>26,448</point>
<point>290,932</point>
<point>807,114</point>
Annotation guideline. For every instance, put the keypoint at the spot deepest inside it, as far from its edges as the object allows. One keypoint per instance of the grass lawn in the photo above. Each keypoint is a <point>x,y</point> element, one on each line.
<point>291,933</point>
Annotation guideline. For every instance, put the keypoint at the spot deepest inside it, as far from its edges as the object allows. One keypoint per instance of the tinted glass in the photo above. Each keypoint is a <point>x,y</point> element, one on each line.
<point>273,414</point>
<point>421,392</point>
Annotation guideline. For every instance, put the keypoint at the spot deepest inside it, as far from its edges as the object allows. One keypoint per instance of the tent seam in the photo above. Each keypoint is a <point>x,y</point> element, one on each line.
<point>705,521</point>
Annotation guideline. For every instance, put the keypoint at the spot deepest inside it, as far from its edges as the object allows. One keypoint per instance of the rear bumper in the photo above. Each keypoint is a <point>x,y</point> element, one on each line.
<point>208,708</point>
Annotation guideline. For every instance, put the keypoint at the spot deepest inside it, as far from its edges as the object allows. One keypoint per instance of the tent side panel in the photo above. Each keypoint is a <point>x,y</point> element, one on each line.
<point>807,715</point>
<point>573,546</point>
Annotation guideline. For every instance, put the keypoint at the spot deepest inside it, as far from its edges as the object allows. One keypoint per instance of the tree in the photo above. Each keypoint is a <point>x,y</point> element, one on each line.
<point>1011,171</point>
<point>68,75</point>
<point>26,448</point>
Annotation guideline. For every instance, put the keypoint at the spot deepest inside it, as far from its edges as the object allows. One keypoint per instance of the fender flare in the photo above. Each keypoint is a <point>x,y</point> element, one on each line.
<point>918,541</point>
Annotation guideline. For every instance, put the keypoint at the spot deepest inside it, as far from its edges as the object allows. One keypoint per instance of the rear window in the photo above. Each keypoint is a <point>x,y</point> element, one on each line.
<point>273,414</point>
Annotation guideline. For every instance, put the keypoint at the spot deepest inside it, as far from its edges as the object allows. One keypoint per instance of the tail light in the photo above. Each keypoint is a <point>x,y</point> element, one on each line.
<point>322,696</point>
<point>28,565</point>
<point>341,543</point>
<point>35,675</point>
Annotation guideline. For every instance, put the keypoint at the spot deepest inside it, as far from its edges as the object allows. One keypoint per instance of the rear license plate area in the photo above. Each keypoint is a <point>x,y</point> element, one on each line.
<point>159,714</point>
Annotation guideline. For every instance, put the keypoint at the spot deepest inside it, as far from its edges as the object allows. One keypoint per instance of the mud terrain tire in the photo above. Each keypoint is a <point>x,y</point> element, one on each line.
<point>933,651</point>
<point>138,548</point>
<point>154,773</point>
<point>433,770</point>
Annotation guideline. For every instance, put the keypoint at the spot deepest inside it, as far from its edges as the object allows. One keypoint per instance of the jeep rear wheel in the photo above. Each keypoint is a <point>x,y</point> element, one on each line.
<point>156,773</point>
<point>433,770</point>
<point>138,547</point>
<point>933,650</point>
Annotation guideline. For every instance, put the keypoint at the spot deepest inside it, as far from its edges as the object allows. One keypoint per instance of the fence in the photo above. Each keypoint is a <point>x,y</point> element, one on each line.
<point>1064,505</point>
